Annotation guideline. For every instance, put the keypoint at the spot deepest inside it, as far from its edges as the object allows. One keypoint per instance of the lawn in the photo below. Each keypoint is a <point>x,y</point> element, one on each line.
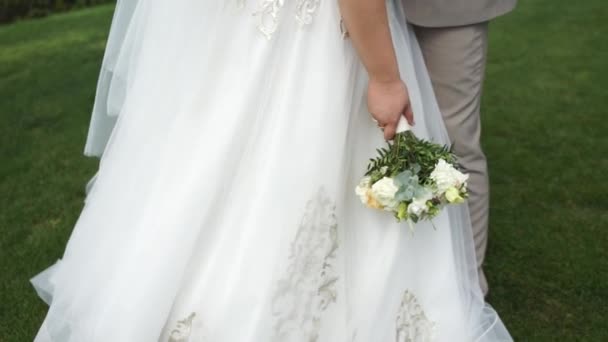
<point>545,134</point>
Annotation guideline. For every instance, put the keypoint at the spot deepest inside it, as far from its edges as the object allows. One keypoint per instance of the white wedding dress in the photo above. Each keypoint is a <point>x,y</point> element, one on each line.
<point>233,133</point>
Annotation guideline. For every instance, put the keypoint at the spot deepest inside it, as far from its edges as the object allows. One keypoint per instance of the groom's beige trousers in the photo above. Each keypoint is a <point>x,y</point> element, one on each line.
<point>456,58</point>
<point>453,36</point>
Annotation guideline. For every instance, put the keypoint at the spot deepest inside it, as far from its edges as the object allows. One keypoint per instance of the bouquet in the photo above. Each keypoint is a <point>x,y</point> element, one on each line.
<point>412,178</point>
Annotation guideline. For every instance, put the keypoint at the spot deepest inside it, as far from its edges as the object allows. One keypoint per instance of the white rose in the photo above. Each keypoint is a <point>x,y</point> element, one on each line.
<point>384,192</point>
<point>446,176</point>
<point>362,189</point>
<point>418,205</point>
<point>416,208</point>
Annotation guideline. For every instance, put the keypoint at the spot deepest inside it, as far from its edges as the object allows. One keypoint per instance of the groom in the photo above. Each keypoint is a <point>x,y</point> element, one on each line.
<point>453,37</point>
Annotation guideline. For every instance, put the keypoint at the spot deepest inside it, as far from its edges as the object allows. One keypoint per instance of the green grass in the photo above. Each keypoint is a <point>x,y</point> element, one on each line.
<point>545,134</point>
<point>48,71</point>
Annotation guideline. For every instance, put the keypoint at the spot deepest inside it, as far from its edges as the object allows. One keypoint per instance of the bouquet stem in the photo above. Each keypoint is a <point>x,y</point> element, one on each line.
<point>403,125</point>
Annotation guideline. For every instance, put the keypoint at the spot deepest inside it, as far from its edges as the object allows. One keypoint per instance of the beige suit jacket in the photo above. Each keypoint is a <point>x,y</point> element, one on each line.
<point>445,13</point>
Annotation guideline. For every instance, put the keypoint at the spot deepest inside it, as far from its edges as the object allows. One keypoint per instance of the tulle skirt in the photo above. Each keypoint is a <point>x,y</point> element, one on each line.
<point>224,206</point>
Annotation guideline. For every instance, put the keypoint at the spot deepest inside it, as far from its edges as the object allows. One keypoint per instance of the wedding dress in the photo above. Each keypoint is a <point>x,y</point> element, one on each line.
<point>233,134</point>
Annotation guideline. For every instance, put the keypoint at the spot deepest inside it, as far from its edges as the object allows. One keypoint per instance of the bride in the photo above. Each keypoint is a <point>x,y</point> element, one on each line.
<point>233,134</point>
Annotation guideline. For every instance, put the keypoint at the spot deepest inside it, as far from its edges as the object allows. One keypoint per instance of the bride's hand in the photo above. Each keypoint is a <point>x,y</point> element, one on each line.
<point>387,101</point>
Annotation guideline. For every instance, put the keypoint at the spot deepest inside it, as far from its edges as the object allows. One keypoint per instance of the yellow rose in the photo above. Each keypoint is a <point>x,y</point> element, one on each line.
<point>363,188</point>
<point>372,202</point>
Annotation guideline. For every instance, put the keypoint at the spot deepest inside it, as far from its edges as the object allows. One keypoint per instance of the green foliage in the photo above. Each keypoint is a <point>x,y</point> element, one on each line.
<point>407,152</point>
<point>16,9</point>
<point>409,184</point>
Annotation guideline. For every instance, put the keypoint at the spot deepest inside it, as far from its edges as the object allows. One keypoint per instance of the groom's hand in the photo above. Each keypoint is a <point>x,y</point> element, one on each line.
<point>387,101</point>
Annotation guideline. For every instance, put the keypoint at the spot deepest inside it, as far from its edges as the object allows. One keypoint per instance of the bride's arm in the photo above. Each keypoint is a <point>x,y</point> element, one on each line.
<point>368,28</point>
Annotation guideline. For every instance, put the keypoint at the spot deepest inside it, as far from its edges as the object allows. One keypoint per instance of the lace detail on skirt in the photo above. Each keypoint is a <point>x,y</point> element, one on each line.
<point>269,12</point>
<point>182,330</point>
<point>412,323</point>
<point>305,9</point>
<point>309,285</point>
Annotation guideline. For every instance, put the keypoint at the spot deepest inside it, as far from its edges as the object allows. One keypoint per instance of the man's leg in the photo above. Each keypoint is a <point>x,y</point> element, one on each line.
<point>456,58</point>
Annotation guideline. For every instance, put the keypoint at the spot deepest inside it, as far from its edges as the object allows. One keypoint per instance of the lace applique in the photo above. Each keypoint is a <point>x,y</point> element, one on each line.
<point>305,9</point>
<point>268,13</point>
<point>309,285</point>
<point>183,329</point>
<point>412,323</point>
